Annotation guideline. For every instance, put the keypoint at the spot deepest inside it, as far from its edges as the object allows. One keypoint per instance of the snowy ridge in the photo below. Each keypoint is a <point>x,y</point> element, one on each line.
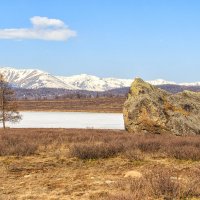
<point>94,83</point>
<point>161,82</point>
<point>33,78</point>
<point>190,84</point>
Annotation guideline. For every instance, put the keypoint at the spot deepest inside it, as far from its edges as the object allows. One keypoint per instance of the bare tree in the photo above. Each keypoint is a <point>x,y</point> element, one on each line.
<point>8,107</point>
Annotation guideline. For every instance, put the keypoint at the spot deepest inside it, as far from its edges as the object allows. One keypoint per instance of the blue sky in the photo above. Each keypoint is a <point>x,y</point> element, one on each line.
<point>108,38</point>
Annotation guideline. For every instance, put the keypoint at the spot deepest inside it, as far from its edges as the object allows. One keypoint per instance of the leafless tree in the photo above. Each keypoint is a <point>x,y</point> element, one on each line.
<point>8,105</point>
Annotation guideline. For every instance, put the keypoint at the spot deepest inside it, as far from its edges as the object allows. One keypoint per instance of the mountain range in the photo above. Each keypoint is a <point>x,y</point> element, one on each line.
<point>34,79</point>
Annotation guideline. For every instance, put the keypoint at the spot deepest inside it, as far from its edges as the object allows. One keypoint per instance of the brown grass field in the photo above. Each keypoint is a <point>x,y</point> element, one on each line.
<point>102,104</point>
<point>89,164</point>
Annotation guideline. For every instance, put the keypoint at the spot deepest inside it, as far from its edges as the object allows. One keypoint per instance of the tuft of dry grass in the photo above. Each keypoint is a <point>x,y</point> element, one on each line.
<point>134,155</point>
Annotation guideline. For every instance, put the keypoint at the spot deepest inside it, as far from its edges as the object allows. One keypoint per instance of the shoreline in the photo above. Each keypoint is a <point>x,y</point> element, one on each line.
<point>83,111</point>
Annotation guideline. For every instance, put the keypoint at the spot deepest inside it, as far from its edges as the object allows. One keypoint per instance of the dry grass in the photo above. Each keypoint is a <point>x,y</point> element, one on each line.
<point>159,183</point>
<point>94,144</point>
<point>102,104</point>
<point>92,164</point>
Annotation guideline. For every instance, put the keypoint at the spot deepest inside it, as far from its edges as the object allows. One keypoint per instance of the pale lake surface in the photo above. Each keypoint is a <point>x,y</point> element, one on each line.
<point>69,120</point>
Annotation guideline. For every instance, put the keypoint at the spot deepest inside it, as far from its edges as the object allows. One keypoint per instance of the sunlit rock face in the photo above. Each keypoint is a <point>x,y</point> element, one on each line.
<point>152,110</point>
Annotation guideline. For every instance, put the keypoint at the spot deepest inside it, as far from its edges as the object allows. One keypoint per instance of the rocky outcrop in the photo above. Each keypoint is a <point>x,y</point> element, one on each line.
<point>152,110</point>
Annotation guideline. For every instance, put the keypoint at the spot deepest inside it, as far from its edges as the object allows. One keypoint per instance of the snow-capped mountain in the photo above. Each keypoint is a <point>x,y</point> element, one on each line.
<point>33,78</point>
<point>94,83</point>
<point>161,82</point>
<point>190,84</point>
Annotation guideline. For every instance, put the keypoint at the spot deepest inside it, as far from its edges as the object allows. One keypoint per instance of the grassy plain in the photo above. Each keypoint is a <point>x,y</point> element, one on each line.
<point>89,164</point>
<point>101,104</point>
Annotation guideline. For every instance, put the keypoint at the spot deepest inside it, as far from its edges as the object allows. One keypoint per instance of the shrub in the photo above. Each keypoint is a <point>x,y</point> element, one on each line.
<point>149,146</point>
<point>11,145</point>
<point>95,150</point>
<point>162,183</point>
<point>184,153</point>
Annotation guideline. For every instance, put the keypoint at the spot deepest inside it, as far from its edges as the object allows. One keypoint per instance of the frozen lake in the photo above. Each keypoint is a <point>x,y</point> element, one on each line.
<point>69,120</point>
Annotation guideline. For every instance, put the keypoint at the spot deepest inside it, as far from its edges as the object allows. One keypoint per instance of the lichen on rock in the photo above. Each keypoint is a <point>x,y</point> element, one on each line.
<point>151,110</point>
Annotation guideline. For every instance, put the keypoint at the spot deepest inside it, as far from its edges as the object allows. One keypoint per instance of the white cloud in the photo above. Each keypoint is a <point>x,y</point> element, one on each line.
<point>43,29</point>
<point>45,22</point>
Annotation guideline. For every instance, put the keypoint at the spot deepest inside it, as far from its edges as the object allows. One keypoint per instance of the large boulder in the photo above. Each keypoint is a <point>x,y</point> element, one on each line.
<point>152,110</point>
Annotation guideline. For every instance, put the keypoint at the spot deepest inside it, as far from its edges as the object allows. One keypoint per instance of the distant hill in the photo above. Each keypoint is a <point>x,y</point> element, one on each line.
<point>53,93</point>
